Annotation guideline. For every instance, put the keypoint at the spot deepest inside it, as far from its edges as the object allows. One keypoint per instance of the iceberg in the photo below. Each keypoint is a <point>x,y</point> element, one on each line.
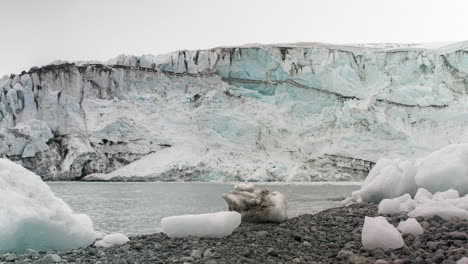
<point>282,112</point>
<point>31,216</point>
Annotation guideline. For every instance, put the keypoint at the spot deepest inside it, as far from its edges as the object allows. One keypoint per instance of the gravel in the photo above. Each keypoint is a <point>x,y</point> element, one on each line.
<point>331,236</point>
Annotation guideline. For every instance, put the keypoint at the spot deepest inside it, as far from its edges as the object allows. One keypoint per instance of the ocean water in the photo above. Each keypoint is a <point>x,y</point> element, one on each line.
<point>138,207</point>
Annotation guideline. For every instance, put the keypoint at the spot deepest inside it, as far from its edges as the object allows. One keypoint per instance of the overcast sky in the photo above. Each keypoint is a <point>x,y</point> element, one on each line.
<point>37,32</point>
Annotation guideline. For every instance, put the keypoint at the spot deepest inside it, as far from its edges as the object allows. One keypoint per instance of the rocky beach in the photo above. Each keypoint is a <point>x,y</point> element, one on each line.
<point>330,236</point>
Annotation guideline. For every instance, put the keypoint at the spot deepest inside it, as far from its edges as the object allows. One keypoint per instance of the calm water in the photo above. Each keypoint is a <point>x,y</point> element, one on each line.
<point>137,208</point>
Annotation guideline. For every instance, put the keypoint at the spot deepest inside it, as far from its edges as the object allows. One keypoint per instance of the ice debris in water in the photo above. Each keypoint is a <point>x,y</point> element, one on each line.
<point>31,216</point>
<point>257,205</point>
<point>202,225</point>
<point>377,232</point>
<point>111,240</point>
<point>410,226</point>
<point>439,171</point>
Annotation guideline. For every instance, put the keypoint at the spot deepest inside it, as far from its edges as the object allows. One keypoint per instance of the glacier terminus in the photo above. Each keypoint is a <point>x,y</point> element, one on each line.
<point>284,112</point>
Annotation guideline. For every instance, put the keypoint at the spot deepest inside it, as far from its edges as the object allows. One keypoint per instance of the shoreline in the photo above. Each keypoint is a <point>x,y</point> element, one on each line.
<point>313,183</point>
<point>329,236</point>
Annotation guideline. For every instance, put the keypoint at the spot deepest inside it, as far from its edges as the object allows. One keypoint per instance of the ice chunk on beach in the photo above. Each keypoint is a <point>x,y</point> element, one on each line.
<point>410,226</point>
<point>445,169</point>
<point>257,205</point>
<point>444,204</point>
<point>202,225</point>
<point>396,205</point>
<point>31,216</point>
<point>379,233</point>
<point>422,195</point>
<point>439,171</point>
<point>111,240</point>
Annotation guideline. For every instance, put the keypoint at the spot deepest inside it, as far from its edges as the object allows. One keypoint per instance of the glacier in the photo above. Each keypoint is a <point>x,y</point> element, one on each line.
<point>281,112</point>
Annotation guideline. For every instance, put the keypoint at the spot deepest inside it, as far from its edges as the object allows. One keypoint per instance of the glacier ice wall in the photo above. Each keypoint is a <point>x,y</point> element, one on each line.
<point>294,112</point>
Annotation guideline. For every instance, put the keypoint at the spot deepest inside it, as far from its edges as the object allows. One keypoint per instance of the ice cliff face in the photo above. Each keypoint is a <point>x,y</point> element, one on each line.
<point>298,112</point>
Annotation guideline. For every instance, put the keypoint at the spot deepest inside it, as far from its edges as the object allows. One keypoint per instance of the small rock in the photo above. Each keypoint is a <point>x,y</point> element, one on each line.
<point>125,248</point>
<point>305,243</point>
<point>296,260</point>
<point>425,225</point>
<point>344,254</point>
<point>261,234</point>
<point>51,258</point>
<point>455,219</point>
<point>138,246</point>
<point>357,260</point>
<point>208,254</point>
<point>438,258</point>
<point>121,261</point>
<point>457,235</point>
<point>419,219</point>
<point>196,254</point>
<point>272,252</point>
<point>379,253</point>
<point>30,252</point>
<point>381,261</point>
<point>416,245</point>
<point>11,257</point>
<point>406,250</point>
<point>211,261</point>
<point>186,259</point>
<point>297,237</point>
<point>432,245</point>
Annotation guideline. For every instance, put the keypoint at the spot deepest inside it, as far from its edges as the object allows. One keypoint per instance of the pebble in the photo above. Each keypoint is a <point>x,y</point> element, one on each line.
<point>51,258</point>
<point>261,234</point>
<point>208,254</point>
<point>196,254</point>
<point>457,235</point>
<point>345,254</point>
<point>272,252</point>
<point>11,257</point>
<point>381,261</point>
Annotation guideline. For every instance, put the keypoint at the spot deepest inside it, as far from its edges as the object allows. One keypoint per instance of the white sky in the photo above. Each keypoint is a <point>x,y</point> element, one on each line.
<point>36,32</point>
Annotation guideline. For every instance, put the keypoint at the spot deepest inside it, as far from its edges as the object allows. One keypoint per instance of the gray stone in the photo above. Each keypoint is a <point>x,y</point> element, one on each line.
<point>344,254</point>
<point>121,261</point>
<point>381,261</point>
<point>272,252</point>
<point>438,258</point>
<point>378,253</point>
<point>208,254</point>
<point>11,257</point>
<point>51,258</point>
<point>186,259</point>
<point>261,234</point>
<point>196,254</point>
<point>457,235</point>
